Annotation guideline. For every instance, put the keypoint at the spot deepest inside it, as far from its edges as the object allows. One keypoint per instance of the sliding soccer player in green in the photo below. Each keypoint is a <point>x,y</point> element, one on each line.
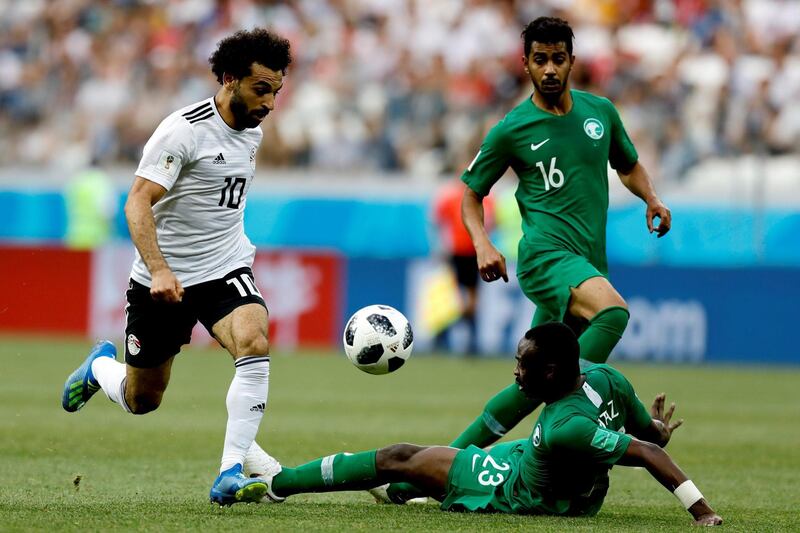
<point>593,421</point>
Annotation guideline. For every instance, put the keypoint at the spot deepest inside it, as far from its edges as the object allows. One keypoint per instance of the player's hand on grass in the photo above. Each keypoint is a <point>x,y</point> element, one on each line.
<point>704,515</point>
<point>667,426</point>
<point>712,519</point>
<point>491,263</point>
<point>656,209</point>
<point>165,286</point>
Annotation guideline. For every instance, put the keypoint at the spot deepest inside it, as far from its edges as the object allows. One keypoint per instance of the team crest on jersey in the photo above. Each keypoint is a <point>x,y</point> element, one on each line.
<point>134,345</point>
<point>537,435</point>
<point>253,157</point>
<point>593,128</point>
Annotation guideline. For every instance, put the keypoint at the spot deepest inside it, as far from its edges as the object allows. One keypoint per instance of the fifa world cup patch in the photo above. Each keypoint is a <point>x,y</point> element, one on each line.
<point>134,345</point>
<point>169,163</point>
<point>605,440</point>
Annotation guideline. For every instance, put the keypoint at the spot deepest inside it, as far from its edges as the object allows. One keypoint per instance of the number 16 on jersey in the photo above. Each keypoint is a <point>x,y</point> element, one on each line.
<point>553,178</point>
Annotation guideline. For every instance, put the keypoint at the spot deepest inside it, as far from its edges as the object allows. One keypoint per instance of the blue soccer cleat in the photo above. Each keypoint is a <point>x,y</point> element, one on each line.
<point>231,486</point>
<point>81,385</point>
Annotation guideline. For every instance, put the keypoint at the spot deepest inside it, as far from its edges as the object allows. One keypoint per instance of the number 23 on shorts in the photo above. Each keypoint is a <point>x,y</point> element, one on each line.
<point>492,472</point>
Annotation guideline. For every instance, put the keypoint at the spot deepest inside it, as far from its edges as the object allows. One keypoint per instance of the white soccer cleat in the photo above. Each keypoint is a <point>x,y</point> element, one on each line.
<point>258,463</point>
<point>380,494</point>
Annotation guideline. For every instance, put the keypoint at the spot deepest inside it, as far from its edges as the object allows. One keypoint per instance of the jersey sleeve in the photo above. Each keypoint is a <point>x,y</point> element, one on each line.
<point>169,149</point>
<point>491,162</point>
<point>638,415</point>
<point>622,153</point>
<point>582,436</point>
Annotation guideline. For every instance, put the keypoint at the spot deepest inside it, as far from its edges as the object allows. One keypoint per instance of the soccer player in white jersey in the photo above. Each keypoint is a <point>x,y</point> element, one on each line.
<point>193,262</point>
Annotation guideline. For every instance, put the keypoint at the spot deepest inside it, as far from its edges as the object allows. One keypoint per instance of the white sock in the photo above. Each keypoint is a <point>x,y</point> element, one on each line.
<point>110,374</point>
<point>255,459</point>
<point>246,401</point>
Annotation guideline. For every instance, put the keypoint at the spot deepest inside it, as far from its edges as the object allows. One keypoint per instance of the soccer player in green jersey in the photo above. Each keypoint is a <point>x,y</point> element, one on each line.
<point>559,142</point>
<point>592,421</point>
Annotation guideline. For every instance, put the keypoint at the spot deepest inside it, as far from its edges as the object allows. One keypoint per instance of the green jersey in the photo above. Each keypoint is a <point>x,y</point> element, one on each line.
<point>562,468</point>
<point>575,442</point>
<point>562,166</point>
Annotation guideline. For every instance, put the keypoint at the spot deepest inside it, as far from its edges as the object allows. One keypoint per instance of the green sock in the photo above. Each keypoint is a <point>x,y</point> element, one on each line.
<point>501,413</point>
<point>343,471</point>
<point>604,332</point>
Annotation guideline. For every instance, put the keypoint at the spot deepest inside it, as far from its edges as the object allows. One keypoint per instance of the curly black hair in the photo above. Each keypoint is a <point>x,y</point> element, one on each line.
<point>235,54</point>
<point>550,30</point>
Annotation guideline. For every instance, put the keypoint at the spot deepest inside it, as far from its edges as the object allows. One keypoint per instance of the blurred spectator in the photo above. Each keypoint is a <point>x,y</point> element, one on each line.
<point>457,245</point>
<point>402,85</point>
<point>91,206</point>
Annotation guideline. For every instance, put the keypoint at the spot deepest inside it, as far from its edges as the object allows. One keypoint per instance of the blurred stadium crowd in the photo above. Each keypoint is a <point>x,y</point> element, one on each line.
<point>404,86</point>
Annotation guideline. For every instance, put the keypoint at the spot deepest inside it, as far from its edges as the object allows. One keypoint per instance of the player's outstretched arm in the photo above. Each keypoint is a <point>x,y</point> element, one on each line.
<point>663,468</point>
<point>142,226</point>
<point>638,181</point>
<point>491,263</point>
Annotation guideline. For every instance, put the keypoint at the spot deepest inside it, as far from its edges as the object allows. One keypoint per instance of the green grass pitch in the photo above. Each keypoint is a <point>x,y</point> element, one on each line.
<point>740,443</point>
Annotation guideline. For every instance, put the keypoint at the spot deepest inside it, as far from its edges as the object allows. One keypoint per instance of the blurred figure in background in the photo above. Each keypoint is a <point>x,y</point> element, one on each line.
<point>91,206</point>
<point>460,254</point>
<point>508,222</point>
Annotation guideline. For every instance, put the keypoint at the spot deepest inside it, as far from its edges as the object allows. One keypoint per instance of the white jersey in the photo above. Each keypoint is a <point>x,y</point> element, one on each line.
<point>207,168</point>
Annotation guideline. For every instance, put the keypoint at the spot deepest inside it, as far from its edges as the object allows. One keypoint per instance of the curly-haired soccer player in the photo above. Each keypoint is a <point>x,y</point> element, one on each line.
<point>185,212</point>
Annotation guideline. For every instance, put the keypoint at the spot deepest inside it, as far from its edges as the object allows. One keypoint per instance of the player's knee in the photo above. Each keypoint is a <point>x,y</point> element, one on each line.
<point>141,404</point>
<point>256,344</point>
<point>396,458</point>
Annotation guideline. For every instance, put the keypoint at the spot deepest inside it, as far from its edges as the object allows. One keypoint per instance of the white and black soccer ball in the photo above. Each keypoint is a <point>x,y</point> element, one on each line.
<point>378,339</point>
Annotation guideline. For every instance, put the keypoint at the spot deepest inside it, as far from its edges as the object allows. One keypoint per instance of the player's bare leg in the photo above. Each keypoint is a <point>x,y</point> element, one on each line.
<point>597,301</point>
<point>243,332</point>
<point>426,468</point>
<point>144,387</point>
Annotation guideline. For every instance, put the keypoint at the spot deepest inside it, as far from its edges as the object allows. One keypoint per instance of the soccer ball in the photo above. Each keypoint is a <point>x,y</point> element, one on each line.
<point>378,339</point>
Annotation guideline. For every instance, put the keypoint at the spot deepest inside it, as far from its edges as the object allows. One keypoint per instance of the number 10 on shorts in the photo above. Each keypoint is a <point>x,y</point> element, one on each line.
<point>486,476</point>
<point>245,285</point>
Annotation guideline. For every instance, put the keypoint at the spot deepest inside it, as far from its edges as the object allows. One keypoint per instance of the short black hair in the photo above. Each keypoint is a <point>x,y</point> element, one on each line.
<point>552,343</point>
<point>236,53</point>
<point>550,30</point>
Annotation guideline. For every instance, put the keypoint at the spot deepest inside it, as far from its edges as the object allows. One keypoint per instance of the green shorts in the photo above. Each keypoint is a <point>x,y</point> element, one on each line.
<point>547,277</point>
<point>477,479</point>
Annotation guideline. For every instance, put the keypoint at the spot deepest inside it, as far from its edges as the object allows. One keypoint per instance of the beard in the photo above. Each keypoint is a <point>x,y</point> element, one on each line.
<point>550,91</point>
<point>243,117</point>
